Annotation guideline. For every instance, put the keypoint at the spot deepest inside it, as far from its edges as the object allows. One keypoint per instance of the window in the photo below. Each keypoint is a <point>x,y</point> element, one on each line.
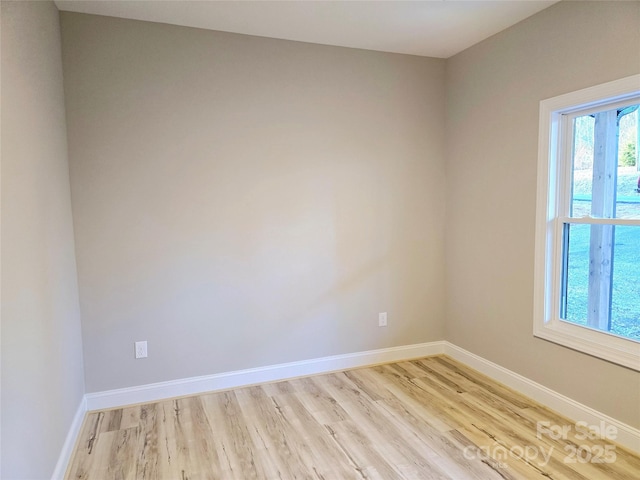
<point>587,270</point>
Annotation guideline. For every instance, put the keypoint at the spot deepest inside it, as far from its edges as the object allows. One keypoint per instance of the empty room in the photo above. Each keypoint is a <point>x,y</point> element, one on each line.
<point>320,240</point>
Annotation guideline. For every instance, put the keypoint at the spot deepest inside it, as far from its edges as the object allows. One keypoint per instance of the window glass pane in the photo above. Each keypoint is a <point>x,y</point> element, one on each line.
<point>625,301</point>
<point>628,196</point>
<point>577,274</point>
<point>602,284</point>
<point>582,166</point>
<point>605,173</point>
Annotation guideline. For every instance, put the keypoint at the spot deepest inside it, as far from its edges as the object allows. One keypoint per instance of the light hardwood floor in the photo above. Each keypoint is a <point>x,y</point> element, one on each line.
<point>432,418</point>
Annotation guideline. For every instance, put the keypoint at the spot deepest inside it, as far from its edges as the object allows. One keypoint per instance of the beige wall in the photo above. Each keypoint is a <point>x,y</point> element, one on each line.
<point>240,201</point>
<point>42,376</point>
<point>493,95</point>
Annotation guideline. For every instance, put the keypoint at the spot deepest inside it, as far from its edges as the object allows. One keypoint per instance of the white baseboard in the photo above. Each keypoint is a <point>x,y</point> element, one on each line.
<point>70,441</point>
<point>627,436</point>
<point>221,381</point>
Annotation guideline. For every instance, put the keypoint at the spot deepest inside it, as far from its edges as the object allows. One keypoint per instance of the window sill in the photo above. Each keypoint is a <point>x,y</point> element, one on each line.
<point>603,345</point>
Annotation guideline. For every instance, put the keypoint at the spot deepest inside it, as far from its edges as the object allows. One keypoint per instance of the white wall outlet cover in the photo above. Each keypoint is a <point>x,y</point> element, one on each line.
<point>141,349</point>
<point>382,319</point>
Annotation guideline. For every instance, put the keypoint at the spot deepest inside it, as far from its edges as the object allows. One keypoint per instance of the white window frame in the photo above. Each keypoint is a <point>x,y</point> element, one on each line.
<point>552,171</point>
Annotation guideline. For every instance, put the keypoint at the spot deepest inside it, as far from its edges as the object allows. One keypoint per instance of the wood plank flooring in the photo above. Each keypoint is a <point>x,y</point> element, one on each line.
<point>431,418</point>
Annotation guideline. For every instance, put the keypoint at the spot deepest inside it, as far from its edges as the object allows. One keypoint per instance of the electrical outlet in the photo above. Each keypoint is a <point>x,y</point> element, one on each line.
<point>382,319</point>
<point>141,349</point>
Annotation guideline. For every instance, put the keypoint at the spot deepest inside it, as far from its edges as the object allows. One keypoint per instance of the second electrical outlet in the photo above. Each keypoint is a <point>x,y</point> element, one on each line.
<point>382,319</point>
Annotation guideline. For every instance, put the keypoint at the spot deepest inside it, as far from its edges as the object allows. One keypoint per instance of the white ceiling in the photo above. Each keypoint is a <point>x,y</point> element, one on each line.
<point>432,28</point>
